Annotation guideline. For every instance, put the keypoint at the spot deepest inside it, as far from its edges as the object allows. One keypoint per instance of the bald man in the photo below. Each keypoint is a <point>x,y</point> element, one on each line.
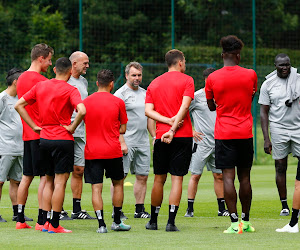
<point>80,64</point>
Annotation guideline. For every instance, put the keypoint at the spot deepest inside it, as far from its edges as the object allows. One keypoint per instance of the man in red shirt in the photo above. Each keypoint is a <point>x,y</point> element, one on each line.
<point>32,166</point>
<point>56,101</point>
<point>230,91</point>
<point>105,120</point>
<point>168,99</point>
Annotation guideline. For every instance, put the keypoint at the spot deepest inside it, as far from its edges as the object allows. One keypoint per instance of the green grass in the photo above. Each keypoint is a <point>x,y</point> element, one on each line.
<point>202,231</point>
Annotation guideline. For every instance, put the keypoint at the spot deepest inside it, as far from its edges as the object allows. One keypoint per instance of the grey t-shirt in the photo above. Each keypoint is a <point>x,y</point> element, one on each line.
<point>136,132</point>
<point>204,119</point>
<point>274,94</point>
<point>81,84</point>
<point>11,128</point>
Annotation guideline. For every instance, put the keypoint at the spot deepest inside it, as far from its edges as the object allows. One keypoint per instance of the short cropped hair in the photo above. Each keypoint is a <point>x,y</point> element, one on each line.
<point>63,65</point>
<point>207,72</point>
<point>13,74</point>
<point>105,77</point>
<point>173,56</point>
<point>281,55</point>
<point>41,49</point>
<point>231,44</point>
<point>133,64</point>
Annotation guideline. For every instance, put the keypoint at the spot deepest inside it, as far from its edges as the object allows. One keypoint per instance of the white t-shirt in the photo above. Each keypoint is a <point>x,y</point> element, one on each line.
<point>11,128</point>
<point>81,84</point>
<point>136,131</point>
<point>274,94</point>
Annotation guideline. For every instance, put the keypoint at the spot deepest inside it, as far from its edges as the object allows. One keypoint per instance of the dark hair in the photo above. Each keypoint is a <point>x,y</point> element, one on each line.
<point>281,55</point>
<point>173,56</point>
<point>13,74</point>
<point>207,72</point>
<point>104,77</point>
<point>231,44</point>
<point>63,65</point>
<point>41,49</point>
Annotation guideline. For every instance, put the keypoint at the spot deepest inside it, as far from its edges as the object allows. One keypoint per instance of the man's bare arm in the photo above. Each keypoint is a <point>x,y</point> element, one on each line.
<point>81,111</point>
<point>151,127</point>
<point>151,113</point>
<point>20,107</point>
<point>122,129</point>
<point>211,104</point>
<point>264,120</point>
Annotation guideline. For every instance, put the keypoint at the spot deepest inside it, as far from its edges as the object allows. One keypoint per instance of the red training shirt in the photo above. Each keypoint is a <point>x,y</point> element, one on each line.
<point>104,115</point>
<point>232,88</point>
<point>26,81</point>
<point>166,93</point>
<point>56,101</point>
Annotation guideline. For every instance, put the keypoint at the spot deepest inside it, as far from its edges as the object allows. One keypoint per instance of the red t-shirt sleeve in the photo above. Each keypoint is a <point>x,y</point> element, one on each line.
<point>148,96</point>
<point>30,96</point>
<point>255,81</point>
<point>189,88</point>
<point>208,89</point>
<point>123,114</point>
<point>75,98</point>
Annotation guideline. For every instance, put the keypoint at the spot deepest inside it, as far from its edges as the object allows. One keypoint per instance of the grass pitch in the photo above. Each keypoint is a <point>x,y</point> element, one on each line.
<point>205,230</point>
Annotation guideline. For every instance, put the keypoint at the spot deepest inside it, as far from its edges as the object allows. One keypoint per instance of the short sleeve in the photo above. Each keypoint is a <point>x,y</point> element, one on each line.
<point>264,97</point>
<point>123,114</point>
<point>75,98</point>
<point>192,106</point>
<point>208,89</point>
<point>189,88</point>
<point>119,95</point>
<point>1,104</point>
<point>30,96</point>
<point>149,98</point>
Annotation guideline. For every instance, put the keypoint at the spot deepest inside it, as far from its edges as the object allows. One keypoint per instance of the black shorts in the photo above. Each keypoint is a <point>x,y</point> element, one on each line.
<point>32,162</point>
<point>173,158</point>
<point>94,170</point>
<point>234,153</point>
<point>59,154</point>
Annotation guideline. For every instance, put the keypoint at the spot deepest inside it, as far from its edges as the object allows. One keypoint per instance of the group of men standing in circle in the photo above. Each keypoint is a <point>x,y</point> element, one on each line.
<point>109,135</point>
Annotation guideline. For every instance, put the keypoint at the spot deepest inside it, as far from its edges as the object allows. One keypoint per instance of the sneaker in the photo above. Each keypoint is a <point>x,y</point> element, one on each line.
<point>234,228</point>
<point>102,230</point>
<point>171,228</point>
<point>285,212</point>
<point>82,215</point>
<point>151,226</point>
<point>189,213</point>
<point>21,225</point>
<point>59,229</point>
<point>38,227</point>
<point>2,220</point>
<point>246,226</point>
<point>223,213</point>
<point>142,214</point>
<point>120,227</point>
<point>15,217</point>
<point>45,227</point>
<point>122,217</point>
<point>288,229</point>
<point>64,215</point>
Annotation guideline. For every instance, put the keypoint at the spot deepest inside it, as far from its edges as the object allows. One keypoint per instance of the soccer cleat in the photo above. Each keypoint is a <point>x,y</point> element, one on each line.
<point>21,225</point>
<point>38,227</point>
<point>235,228</point>
<point>59,229</point>
<point>64,216</point>
<point>171,228</point>
<point>82,215</point>
<point>151,226</point>
<point>285,212</point>
<point>122,216</point>
<point>15,217</point>
<point>246,226</point>
<point>2,220</point>
<point>288,229</point>
<point>189,213</point>
<point>120,227</point>
<point>102,230</point>
<point>45,227</point>
<point>142,214</point>
<point>223,213</point>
